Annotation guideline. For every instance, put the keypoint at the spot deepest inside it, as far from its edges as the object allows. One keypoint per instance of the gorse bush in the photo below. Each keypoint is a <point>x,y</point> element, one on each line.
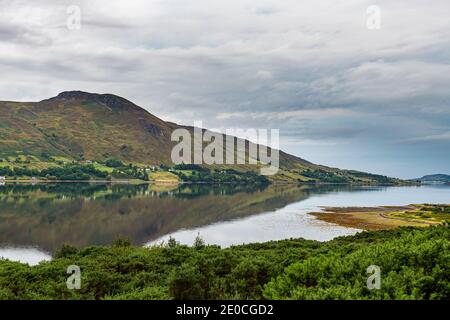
<point>414,265</point>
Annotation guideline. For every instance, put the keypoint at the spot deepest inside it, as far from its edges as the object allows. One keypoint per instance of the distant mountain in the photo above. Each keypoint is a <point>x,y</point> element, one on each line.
<point>437,178</point>
<point>79,126</point>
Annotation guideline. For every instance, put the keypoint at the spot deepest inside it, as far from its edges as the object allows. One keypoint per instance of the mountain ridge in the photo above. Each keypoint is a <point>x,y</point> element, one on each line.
<point>437,177</point>
<point>80,125</point>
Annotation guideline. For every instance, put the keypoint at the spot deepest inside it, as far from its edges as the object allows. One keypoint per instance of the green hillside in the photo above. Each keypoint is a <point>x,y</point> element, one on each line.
<point>79,126</point>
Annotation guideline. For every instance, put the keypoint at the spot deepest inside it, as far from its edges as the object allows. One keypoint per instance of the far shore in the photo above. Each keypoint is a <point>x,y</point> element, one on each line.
<point>161,181</point>
<point>119,181</point>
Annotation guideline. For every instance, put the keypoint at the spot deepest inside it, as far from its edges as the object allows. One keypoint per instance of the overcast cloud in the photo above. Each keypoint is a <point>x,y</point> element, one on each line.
<point>341,94</point>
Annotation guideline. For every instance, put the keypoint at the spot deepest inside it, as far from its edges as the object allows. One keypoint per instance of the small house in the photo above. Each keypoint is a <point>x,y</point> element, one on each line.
<point>2,179</point>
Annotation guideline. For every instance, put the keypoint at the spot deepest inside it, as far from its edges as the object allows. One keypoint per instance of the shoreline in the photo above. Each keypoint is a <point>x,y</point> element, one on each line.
<point>124,181</point>
<point>137,181</point>
<point>375,218</point>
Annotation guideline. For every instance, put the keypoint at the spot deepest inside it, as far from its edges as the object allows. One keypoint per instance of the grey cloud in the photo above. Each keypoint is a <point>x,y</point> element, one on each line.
<point>312,69</point>
<point>13,33</point>
<point>441,137</point>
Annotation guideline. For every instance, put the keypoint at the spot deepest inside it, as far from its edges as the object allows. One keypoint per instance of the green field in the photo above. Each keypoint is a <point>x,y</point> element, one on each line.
<point>425,213</point>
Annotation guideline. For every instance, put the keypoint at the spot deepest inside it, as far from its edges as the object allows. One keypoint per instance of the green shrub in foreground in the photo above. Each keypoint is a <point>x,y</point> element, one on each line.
<point>414,264</point>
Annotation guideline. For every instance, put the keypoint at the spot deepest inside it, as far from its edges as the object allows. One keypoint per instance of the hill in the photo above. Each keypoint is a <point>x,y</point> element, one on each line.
<point>79,126</point>
<point>435,178</point>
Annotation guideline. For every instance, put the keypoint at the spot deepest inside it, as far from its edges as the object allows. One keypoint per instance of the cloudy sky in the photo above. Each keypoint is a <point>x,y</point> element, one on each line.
<point>342,94</point>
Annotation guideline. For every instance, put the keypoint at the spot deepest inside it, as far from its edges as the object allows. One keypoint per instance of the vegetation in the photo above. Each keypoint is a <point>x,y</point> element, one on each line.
<point>324,176</point>
<point>380,179</point>
<point>414,264</point>
<point>344,176</point>
<point>113,168</point>
<point>66,172</point>
<point>114,163</point>
<point>386,217</point>
<point>195,173</point>
<point>57,169</point>
<point>73,172</point>
<point>76,171</point>
<point>425,213</point>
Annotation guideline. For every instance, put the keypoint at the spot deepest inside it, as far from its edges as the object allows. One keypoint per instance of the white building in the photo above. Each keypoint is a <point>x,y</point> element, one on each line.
<point>2,179</point>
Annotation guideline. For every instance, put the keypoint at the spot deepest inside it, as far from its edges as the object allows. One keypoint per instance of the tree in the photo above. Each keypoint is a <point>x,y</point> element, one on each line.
<point>199,243</point>
<point>172,243</point>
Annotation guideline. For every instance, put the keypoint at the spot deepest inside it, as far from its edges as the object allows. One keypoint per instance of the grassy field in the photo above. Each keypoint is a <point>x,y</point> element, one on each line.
<point>425,213</point>
<point>163,176</point>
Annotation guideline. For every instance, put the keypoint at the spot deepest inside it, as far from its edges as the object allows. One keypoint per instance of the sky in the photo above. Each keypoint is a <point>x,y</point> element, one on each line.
<point>343,92</point>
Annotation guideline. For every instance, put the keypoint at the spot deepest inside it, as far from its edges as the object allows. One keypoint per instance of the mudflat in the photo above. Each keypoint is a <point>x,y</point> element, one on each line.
<point>385,217</point>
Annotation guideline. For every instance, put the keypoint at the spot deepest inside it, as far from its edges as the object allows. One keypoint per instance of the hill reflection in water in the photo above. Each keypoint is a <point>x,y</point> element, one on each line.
<point>49,215</point>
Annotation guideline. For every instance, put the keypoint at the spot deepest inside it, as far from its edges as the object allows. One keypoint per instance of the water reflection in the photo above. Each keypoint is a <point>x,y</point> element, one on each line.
<point>45,216</point>
<point>293,220</point>
<point>31,256</point>
<point>49,215</point>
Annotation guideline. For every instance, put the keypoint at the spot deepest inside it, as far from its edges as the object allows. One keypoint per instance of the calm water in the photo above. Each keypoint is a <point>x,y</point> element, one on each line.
<point>37,220</point>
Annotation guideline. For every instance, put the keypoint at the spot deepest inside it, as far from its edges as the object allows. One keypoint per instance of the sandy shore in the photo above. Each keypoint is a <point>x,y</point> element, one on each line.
<point>369,218</point>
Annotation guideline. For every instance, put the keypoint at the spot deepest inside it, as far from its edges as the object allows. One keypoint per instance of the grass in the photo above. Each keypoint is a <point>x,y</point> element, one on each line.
<point>38,165</point>
<point>163,176</point>
<point>102,167</point>
<point>425,213</point>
